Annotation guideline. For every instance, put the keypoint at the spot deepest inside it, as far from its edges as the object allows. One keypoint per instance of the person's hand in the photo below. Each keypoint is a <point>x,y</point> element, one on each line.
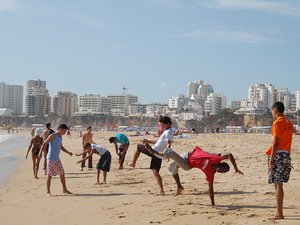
<point>70,153</point>
<point>78,162</point>
<point>144,141</point>
<point>271,168</point>
<point>76,154</point>
<point>239,172</point>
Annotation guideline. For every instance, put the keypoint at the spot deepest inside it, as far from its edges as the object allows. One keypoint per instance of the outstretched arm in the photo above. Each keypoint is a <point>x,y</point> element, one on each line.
<point>232,160</point>
<point>88,156</point>
<point>84,152</point>
<point>211,194</point>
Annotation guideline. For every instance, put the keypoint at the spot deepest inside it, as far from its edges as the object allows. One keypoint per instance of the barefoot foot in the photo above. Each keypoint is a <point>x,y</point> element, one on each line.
<point>131,164</point>
<point>179,190</point>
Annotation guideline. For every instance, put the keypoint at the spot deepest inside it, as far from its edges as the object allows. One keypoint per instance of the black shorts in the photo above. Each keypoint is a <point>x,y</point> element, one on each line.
<point>104,162</point>
<point>155,162</point>
<point>282,166</point>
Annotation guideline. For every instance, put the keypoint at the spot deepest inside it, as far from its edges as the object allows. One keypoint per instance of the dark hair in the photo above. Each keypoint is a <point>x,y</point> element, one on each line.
<point>225,166</point>
<point>63,126</point>
<point>86,145</point>
<point>112,139</point>
<point>48,124</point>
<point>89,127</point>
<point>279,106</point>
<point>165,120</point>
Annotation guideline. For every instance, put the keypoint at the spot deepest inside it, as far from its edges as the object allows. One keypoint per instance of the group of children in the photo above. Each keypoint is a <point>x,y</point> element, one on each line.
<point>279,161</point>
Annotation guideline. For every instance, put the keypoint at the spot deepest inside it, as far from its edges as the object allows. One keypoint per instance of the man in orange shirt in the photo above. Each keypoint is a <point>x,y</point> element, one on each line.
<point>279,155</point>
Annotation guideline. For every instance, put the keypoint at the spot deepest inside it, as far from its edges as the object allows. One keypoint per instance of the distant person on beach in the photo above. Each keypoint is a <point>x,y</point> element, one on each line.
<point>54,165</point>
<point>122,150</point>
<point>31,132</point>
<point>45,135</point>
<point>103,163</point>
<point>87,138</point>
<point>207,162</point>
<point>35,146</point>
<point>69,133</point>
<point>279,160</point>
<point>163,142</point>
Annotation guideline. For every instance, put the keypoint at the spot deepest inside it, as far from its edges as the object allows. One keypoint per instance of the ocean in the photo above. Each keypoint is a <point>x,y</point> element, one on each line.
<point>8,161</point>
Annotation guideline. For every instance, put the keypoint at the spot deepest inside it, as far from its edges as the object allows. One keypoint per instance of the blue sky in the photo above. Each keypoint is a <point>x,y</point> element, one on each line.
<point>153,47</point>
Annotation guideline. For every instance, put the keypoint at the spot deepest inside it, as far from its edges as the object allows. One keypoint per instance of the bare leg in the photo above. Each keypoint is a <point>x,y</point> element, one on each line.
<point>159,182</point>
<point>104,177</point>
<point>98,177</point>
<point>179,186</point>
<point>33,164</point>
<point>37,165</point>
<point>279,194</point>
<point>135,158</point>
<point>63,182</point>
<point>48,184</point>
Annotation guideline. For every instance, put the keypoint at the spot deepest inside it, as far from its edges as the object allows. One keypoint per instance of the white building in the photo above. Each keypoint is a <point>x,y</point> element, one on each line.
<point>37,100</point>
<point>11,97</point>
<point>94,103</point>
<point>234,104</point>
<point>178,102</point>
<point>120,103</point>
<point>214,103</point>
<point>64,103</point>
<point>264,92</point>
<point>192,88</point>
<point>297,99</point>
<point>156,109</point>
<point>251,106</point>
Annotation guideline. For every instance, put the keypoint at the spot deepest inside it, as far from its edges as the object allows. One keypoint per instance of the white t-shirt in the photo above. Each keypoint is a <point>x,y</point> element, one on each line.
<point>162,142</point>
<point>100,150</point>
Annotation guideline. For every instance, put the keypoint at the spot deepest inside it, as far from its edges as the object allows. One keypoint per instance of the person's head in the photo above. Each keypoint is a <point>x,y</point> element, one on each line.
<point>87,146</point>
<point>62,128</point>
<point>222,167</point>
<point>112,139</point>
<point>38,132</point>
<point>48,125</point>
<point>89,128</point>
<point>277,109</point>
<point>165,121</point>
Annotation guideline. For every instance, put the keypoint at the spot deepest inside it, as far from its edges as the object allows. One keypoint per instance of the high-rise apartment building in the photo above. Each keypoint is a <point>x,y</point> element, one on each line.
<point>38,100</point>
<point>297,100</point>
<point>11,97</point>
<point>94,104</point>
<point>120,103</point>
<point>262,92</point>
<point>192,88</point>
<point>214,103</point>
<point>64,103</point>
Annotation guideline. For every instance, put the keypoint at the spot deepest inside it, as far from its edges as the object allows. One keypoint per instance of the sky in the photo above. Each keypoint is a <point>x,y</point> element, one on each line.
<point>154,48</point>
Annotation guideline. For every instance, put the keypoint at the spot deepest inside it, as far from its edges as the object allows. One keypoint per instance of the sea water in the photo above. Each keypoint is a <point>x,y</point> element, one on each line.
<point>8,161</point>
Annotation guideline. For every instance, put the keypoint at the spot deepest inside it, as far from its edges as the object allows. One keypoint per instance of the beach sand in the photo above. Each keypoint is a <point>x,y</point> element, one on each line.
<point>129,195</point>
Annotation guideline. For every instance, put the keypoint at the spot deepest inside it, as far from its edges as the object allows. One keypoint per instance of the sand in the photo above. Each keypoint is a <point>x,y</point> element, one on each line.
<point>129,195</point>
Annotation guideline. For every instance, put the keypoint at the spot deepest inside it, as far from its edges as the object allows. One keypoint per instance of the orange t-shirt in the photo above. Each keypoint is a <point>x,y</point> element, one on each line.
<point>282,128</point>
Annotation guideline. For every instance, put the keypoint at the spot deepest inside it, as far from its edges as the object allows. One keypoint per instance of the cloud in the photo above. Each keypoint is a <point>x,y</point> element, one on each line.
<point>162,84</point>
<point>268,6</point>
<point>223,34</point>
<point>9,5</point>
<point>94,23</point>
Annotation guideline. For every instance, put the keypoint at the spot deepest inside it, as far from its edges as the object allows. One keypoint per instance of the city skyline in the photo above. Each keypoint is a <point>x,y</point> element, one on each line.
<point>151,47</point>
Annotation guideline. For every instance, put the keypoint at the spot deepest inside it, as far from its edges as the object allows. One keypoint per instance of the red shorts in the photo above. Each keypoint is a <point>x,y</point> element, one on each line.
<point>54,167</point>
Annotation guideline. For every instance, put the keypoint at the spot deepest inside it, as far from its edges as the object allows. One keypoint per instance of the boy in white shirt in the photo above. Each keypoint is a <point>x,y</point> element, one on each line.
<point>104,161</point>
